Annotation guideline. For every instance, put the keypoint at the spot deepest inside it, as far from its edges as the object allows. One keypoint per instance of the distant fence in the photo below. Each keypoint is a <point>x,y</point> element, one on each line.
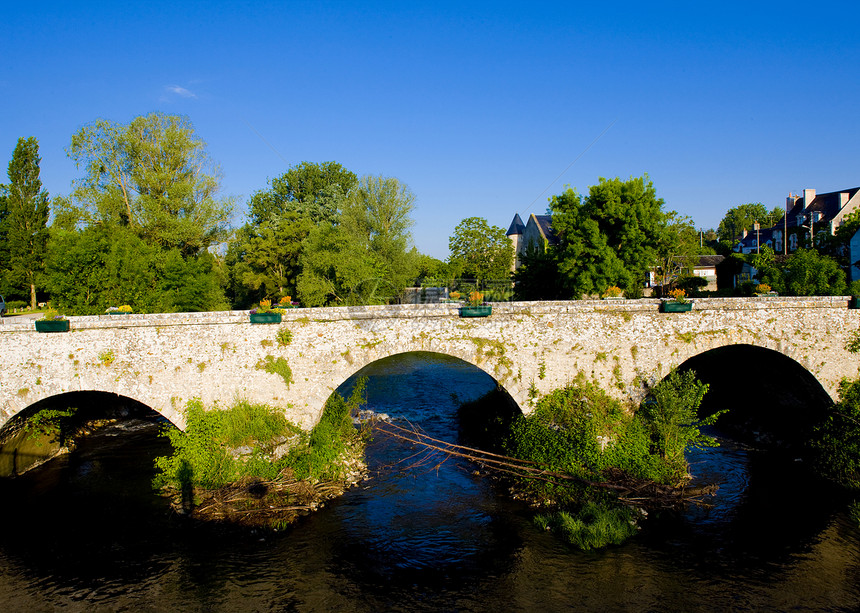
<point>436,291</point>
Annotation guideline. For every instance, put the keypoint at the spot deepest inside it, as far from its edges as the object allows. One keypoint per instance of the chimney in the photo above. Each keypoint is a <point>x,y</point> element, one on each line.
<point>790,202</point>
<point>808,197</point>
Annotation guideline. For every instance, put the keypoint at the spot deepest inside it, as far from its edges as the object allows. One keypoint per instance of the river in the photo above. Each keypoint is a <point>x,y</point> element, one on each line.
<point>85,533</point>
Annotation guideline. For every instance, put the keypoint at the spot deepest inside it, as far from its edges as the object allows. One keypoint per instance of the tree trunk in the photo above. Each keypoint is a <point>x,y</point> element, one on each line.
<point>33,295</point>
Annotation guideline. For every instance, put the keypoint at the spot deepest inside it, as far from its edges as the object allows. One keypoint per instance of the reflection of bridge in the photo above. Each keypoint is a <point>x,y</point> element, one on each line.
<point>163,360</point>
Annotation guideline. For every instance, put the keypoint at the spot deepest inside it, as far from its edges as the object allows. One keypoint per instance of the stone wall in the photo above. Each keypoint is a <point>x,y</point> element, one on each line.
<point>163,360</point>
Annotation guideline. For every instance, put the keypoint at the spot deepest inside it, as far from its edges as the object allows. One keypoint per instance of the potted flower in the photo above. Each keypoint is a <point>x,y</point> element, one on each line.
<point>613,292</point>
<point>265,314</point>
<point>52,321</point>
<point>763,289</point>
<point>676,303</point>
<point>454,297</point>
<point>120,310</point>
<point>476,307</point>
<point>286,303</point>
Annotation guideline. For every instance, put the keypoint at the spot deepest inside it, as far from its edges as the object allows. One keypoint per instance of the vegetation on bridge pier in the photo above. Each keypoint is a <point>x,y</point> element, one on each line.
<point>249,465</point>
<point>588,461</point>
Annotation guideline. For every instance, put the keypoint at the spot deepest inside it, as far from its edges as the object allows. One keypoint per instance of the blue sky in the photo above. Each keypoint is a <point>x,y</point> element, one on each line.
<point>481,108</point>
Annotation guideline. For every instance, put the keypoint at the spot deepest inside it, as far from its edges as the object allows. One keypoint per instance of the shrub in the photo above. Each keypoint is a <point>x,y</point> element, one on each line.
<point>669,414</point>
<point>836,441</point>
<point>582,431</point>
<point>204,454</point>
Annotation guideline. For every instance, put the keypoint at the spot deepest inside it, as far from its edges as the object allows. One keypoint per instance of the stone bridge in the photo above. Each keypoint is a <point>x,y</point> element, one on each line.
<point>530,348</point>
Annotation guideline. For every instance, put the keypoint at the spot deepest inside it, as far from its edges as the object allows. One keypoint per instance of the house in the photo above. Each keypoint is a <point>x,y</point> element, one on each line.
<point>536,233</point>
<point>712,268</point>
<point>808,215</point>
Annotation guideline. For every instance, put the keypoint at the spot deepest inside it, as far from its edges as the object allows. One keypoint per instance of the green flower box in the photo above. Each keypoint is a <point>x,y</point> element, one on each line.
<point>265,318</point>
<point>56,325</point>
<point>767,295</point>
<point>675,307</point>
<point>476,311</point>
<point>854,303</point>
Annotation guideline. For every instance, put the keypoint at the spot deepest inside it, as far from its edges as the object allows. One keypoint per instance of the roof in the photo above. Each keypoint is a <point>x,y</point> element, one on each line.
<point>544,223</point>
<point>826,205</point>
<point>517,226</point>
<point>710,260</point>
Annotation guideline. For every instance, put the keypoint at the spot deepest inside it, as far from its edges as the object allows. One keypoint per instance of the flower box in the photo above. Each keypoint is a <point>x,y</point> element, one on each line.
<point>854,303</point>
<point>265,318</point>
<point>484,310</point>
<point>675,307</point>
<point>767,295</point>
<point>56,325</point>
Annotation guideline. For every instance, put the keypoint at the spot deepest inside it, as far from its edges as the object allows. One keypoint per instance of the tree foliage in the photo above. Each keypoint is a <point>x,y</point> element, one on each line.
<point>610,237</point>
<point>744,216</point>
<point>366,257</point>
<point>836,441</point>
<point>580,430</point>
<point>479,250</point>
<point>24,218</point>
<point>308,189</point>
<point>804,273</point>
<point>153,175</point>
<point>808,273</point>
<point>102,266</point>
<point>266,258</point>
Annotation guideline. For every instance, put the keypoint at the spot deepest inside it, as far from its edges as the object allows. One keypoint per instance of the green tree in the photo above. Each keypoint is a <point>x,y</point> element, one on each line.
<point>611,237</point>
<point>101,266</point>
<point>537,277</point>
<point>479,250</point>
<point>677,250</point>
<point>153,175</point>
<point>808,273</point>
<point>25,212</point>
<point>264,258</point>
<point>744,216</point>
<point>335,270</point>
<point>670,416</point>
<point>366,256</point>
<point>308,189</point>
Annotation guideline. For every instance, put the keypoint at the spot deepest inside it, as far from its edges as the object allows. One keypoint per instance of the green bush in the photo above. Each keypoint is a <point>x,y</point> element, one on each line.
<point>582,431</point>
<point>204,454</point>
<point>669,414</point>
<point>836,441</point>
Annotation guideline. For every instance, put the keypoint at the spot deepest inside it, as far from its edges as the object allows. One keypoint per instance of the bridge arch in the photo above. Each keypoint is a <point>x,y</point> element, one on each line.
<point>23,447</point>
<point>771,397</point>
<point>435,358</point>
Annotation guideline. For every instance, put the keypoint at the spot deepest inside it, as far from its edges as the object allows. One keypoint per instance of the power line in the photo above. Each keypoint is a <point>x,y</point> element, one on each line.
<point>571,164</point>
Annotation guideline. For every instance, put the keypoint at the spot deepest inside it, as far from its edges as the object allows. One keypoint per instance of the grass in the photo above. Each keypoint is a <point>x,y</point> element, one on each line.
<point>594,526</point>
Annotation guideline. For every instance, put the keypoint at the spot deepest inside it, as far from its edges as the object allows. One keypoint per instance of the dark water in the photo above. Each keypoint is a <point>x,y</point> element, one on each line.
<point>84,533</point>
